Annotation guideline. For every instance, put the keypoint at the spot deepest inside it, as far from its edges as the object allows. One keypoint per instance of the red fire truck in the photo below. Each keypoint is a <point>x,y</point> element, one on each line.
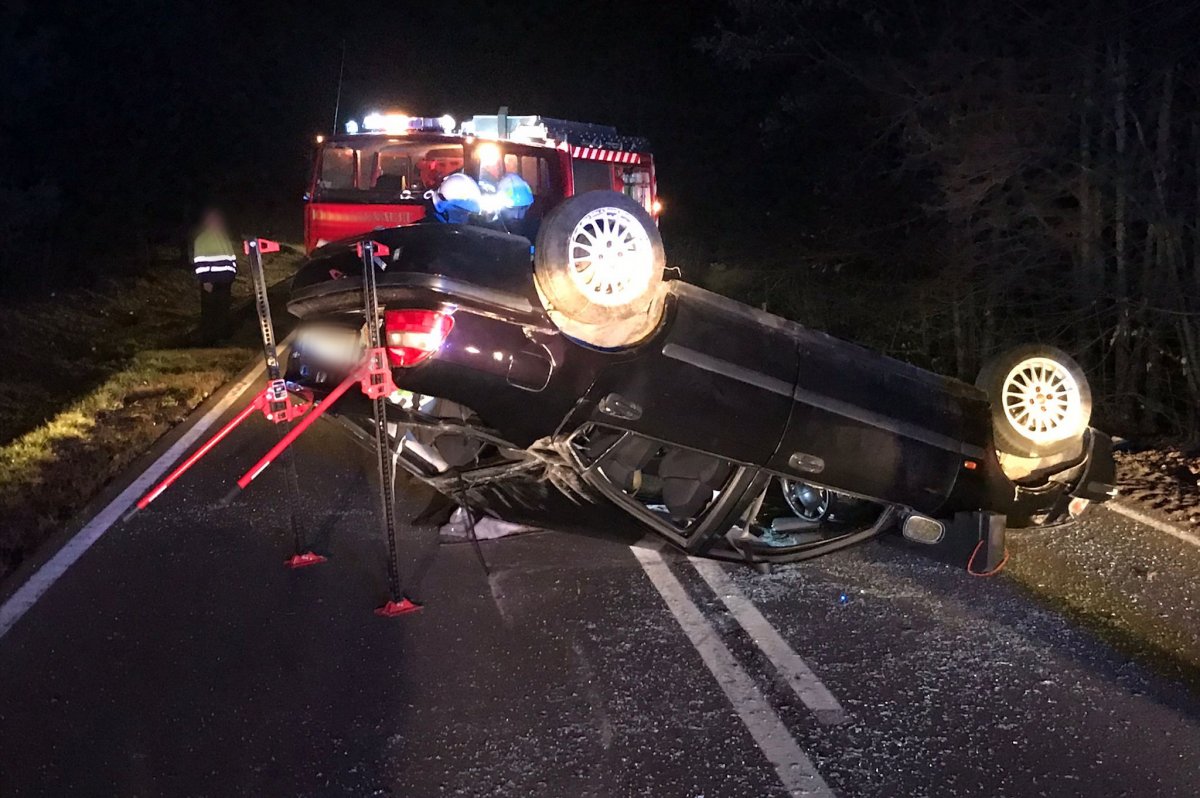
<point>376,174</point>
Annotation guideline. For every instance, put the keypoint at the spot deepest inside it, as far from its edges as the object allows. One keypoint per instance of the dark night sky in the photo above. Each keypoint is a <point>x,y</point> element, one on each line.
<point>940,148</point>
<point>631,64</point>
<point>168,105</point>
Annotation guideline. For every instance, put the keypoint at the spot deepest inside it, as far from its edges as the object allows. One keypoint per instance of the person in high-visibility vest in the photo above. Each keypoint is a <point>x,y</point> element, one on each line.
<point>214,262</point>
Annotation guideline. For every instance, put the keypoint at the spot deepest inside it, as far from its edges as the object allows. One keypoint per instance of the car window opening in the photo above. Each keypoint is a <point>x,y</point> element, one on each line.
<point>385,171</point>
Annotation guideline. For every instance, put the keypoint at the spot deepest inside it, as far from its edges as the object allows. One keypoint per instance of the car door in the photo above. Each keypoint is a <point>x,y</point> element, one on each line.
<point>870,425</point>
<point>718,378</point>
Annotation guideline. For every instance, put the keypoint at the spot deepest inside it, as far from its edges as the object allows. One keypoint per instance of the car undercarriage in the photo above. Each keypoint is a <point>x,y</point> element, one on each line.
<point>726,430</point>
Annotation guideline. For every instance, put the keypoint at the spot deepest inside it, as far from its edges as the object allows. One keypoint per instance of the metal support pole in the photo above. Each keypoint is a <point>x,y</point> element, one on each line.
<point>397,604</point>
<point>301,555</point>
<point>262,306</point>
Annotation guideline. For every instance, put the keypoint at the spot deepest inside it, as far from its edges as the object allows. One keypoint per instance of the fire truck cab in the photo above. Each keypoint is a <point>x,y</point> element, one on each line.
<point>377,173</point>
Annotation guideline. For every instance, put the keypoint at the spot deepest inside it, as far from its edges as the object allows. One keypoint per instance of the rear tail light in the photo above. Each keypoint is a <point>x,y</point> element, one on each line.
<point>412,336</point>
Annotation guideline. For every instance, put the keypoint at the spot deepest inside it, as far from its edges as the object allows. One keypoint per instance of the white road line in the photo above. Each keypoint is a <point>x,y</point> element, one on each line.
<point>27,594</point>
<point>1161,526</point>
<point>794,670</point>
<point>796,771</point>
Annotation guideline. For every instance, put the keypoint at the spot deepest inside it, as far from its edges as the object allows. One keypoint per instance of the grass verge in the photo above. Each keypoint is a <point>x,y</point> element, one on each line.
<point>92,379</point>
<point>48,474</point>
<point>58,347</point>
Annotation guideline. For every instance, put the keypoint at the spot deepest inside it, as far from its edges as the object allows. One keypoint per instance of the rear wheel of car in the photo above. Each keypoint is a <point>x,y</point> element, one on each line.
<point>1041,401</point>
<point>598,266</point>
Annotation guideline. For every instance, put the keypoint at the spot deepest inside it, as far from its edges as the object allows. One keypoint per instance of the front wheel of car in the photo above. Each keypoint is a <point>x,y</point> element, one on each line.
<point>598,266</point>
<point>1041,401</point>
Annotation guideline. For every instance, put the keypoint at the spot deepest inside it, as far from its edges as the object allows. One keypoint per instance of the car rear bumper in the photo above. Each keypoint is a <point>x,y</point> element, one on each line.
<point>343,296</point>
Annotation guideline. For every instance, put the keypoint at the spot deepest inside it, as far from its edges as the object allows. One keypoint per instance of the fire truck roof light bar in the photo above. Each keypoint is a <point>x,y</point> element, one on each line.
<point>580,136</point>
<point>394,123</point>
<point>542,128</point>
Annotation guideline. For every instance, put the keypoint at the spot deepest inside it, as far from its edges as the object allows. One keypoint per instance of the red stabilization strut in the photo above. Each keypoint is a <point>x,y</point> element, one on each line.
<point>375,379</point>
<point>195,456</point>
<point>274,403</point>
<point>295,432</point>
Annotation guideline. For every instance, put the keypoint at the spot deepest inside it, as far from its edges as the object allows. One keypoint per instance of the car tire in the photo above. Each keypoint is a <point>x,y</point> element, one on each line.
<point>598,266</point>
<point>1041,401</point>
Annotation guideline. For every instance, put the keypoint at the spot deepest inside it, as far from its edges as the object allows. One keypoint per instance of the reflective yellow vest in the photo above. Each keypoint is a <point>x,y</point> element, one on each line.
<point>213,257</point>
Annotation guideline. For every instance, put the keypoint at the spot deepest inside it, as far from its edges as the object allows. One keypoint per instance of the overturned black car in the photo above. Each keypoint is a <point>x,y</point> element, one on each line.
<point>727,430</point>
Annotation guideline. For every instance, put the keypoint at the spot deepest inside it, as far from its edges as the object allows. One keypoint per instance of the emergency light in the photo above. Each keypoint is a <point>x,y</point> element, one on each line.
<point>392,123</point>
<point>529,128</point>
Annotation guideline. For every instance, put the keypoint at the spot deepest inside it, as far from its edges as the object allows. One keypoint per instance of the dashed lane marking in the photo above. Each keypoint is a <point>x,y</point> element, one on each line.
<point>794,670</point>
<point>43,578</point>
<point>796,771</point>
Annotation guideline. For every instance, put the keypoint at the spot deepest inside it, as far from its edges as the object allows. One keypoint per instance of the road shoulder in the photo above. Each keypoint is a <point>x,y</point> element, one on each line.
<point>1117,573</point>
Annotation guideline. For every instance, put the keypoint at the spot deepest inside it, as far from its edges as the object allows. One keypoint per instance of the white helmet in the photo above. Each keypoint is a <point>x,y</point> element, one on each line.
<point>456,198</point>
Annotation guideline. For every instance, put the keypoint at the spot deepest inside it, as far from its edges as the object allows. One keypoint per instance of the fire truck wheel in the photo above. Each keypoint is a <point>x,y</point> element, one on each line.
<point>1041,402</point>
<point>599,260</point>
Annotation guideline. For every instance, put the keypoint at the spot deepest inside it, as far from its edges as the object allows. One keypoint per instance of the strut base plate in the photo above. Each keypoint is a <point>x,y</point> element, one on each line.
<point>304,560</point>
<point>393,608</point>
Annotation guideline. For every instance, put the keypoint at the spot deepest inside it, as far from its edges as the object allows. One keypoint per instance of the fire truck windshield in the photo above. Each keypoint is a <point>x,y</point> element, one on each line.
<point>382,169</point>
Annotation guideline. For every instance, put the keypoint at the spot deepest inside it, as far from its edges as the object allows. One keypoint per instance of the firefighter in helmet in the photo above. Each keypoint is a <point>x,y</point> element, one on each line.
<point>214,262</point>
<point>515,197</point>
<point>456,199</point>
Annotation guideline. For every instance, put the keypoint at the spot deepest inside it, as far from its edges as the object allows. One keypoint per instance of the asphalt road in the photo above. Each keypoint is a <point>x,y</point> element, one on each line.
<point>178,657</point>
